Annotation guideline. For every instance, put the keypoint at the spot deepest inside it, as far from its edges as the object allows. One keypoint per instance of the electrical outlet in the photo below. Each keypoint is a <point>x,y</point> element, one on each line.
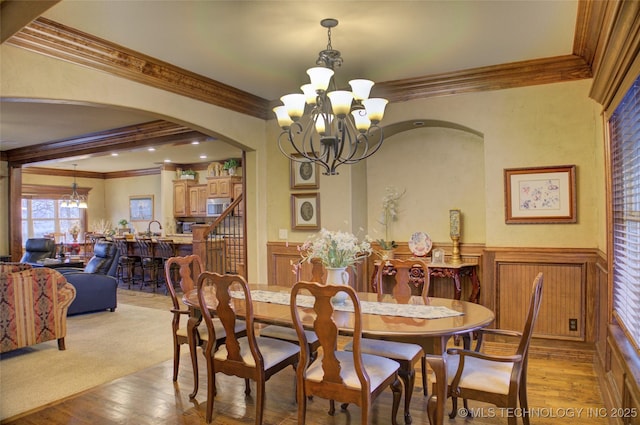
<point>573,324</point>
<point>283,234</point>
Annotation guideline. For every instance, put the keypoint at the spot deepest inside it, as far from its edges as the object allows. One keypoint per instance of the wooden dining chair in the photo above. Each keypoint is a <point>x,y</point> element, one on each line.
<point>346,376</point>
<point>250,357</point>
<point>188,268</point>
<point>497,379</point>
<point>407,354</point>
<point>289,334</point>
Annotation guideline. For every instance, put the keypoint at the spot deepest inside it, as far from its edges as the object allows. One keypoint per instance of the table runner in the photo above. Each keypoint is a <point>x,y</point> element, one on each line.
<point>368,307</point>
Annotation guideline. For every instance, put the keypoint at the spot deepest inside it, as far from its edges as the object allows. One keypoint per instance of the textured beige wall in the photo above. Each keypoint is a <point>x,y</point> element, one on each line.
<point>118,191</point>
<point>534,126</point>
<point>555,124</point>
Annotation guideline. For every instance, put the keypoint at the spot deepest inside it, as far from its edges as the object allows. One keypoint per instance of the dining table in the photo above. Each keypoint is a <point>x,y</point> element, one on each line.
<point>427,321</point>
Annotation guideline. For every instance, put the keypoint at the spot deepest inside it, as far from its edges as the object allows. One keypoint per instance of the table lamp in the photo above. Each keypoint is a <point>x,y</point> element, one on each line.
<point>454,232</point>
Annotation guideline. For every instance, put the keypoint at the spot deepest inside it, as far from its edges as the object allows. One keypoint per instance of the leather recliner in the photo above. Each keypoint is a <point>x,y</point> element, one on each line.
<point>38,249</point>
<point>96,286</point>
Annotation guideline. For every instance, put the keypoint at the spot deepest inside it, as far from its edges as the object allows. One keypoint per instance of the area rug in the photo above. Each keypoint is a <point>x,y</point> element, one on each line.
<point>100,347</point>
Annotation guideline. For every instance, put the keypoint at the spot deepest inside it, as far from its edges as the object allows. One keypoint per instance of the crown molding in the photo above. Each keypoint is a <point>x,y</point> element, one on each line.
<point>61,42</point>
<point>142,135</point>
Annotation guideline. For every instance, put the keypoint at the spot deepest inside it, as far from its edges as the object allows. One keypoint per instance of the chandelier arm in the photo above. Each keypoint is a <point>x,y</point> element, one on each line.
<point>369,150</point>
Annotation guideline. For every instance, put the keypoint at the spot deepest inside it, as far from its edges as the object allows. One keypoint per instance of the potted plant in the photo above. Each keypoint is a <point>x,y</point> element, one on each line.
<point>188,175</point>
<point>230,165</point>
<point>123,223</point>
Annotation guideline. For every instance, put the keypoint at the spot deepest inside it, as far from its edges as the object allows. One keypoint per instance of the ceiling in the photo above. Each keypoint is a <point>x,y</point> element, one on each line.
<point>264,47</point>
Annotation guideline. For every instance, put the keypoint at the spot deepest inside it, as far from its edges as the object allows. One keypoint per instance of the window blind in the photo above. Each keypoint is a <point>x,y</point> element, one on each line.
<point>625,172</point>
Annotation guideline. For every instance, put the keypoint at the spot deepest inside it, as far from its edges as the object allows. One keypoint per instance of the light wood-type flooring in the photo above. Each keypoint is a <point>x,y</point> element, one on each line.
<point>562,392</point>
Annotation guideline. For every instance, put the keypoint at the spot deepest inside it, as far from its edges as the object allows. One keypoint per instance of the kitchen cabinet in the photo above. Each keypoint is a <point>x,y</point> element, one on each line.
<point>198,200</point>
<point>222,187</point>
<point>181,197</point>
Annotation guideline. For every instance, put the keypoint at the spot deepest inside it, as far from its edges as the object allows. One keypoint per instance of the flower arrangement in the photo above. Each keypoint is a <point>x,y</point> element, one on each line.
<point>389,214</point>
<point>334,249</point>
<point>74,229</point>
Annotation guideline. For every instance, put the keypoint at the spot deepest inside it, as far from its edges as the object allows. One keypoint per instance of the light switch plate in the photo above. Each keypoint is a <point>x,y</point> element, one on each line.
<point>283,234</point>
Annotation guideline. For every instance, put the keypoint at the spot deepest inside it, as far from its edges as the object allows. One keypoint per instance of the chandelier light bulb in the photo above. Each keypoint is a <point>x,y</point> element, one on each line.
<point>322,124</point>
<point>340,102</point>
<point>310,94</point>
<point>320,77</point>
<point>284,120</point>
<point>361,88</point>
<point>375,108</point>
<point>361,120</point>
<point>294,103</point>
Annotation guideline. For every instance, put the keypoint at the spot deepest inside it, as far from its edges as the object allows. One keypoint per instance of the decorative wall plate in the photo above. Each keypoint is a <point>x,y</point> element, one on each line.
<point>420,244</point>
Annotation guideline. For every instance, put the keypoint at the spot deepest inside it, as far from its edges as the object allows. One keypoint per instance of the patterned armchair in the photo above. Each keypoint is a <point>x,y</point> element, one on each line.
<point>34,306</point>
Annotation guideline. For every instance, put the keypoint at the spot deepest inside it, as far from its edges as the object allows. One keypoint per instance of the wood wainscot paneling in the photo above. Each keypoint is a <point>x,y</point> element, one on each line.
<point>283,255</point>
<point>571,298</point>
<point>620,379</point>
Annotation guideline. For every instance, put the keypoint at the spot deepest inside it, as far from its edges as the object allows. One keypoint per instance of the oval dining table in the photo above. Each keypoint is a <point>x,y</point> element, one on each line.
<point>430,333</point>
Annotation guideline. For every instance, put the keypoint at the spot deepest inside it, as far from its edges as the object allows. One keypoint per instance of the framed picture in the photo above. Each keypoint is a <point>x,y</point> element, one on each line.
<point>304,175</point>
<point>540,195</point>
<point>305,211</point>
<point>437,256</point>
<point>141,208</point>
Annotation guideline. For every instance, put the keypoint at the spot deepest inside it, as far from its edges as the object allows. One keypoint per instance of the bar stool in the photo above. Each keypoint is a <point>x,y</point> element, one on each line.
<point>165,249</point>
<point>150,264</point>
<point>125,272</point>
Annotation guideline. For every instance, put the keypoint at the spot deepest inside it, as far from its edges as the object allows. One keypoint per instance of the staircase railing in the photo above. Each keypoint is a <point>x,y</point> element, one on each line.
<point>222,244</point>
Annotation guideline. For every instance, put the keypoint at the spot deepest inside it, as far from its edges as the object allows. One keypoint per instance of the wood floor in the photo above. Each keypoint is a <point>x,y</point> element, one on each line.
<point>560,392</point>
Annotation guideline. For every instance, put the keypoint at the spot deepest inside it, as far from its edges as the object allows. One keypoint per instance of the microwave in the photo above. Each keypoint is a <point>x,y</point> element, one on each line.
<point>215,206</point>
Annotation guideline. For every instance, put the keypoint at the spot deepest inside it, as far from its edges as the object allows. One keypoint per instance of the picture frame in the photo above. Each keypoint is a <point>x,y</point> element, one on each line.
<point>304,174</point>
<point>305,211</point>
<point>540,195</point>
<point>437,256</point>
<point>141,208</point>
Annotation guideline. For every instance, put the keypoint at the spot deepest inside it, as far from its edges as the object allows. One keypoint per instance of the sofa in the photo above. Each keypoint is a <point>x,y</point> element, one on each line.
<point>38,249</point>
<point>96,285</point>
<point>34,306</point>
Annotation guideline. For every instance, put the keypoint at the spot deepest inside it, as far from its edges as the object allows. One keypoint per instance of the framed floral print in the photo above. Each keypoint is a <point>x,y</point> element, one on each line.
<point>540,195</point>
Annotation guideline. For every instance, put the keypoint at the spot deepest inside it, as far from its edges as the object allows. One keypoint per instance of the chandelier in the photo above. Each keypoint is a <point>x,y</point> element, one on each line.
<point>340,127</point>
<point>74,200</point>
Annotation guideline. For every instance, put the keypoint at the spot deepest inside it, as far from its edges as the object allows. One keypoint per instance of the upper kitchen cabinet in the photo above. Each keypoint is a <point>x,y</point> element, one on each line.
<point>181,206</point>
<point>222,187</point>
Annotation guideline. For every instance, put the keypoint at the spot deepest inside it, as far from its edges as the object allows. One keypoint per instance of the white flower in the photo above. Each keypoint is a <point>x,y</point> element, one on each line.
<point>389,214</point>
<point>334,249</point>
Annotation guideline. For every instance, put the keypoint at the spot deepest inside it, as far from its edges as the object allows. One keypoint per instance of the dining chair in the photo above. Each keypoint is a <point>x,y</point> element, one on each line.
<point>407,354</point>
<point>188,268</point>
<point>251,356</point>
<point>288,333</point>
<point>346,376</point>
<point>497,379</point>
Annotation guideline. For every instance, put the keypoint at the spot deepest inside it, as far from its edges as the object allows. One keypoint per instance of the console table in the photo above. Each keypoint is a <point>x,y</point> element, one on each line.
<point>444,270</point>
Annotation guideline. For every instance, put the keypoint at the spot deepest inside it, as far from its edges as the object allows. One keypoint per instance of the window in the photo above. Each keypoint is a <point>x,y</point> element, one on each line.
<point>625,172</point>
<point>42,216</point>
<point>42,213</point>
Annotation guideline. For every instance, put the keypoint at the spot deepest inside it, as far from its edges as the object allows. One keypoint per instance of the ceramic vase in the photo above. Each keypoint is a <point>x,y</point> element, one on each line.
<point>387,254</point>
<point>338,276</point>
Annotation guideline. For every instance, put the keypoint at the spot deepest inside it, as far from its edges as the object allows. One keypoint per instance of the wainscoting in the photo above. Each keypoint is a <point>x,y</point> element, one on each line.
<point>571,299</point>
